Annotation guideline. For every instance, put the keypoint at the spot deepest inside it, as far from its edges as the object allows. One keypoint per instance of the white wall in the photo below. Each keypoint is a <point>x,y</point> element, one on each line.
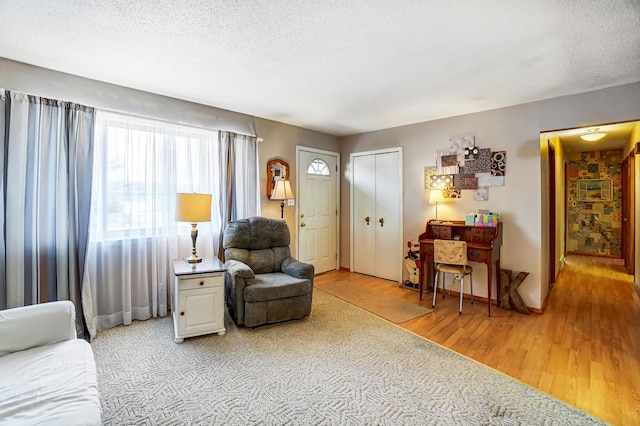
<point>513,129</point>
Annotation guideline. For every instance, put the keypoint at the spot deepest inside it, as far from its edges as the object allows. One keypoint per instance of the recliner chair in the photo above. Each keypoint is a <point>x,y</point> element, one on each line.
<point>263,283</point>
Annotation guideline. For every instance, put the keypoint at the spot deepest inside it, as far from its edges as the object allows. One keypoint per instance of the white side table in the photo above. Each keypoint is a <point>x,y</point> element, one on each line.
<point>198,298</point>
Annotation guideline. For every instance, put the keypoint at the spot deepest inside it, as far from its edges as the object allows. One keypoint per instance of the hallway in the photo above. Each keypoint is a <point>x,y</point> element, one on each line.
<point>584,349</point>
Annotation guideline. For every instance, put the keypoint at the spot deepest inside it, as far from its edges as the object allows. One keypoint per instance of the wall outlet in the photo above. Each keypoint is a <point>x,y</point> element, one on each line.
<point>291,202</point>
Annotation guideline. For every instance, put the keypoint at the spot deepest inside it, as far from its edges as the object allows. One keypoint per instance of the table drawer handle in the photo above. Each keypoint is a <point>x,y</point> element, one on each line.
<point>201,282</point>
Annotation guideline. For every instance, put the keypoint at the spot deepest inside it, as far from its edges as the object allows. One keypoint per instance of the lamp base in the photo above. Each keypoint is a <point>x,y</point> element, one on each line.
<point>194,235</point>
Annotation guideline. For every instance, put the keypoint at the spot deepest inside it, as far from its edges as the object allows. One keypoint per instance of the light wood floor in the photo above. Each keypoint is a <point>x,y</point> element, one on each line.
<point>584,349</point>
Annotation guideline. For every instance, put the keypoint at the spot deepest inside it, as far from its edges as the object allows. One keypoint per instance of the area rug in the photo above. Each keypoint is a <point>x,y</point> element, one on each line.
<point>394,310</point>
<point>340,366</point>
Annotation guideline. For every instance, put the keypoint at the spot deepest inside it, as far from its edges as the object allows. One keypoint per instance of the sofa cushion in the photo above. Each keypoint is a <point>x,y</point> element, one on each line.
<point>51,384</point>
<point>276,286</point>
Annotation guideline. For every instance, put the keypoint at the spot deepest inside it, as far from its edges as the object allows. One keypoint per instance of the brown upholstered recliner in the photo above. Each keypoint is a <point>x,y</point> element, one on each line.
<point>263,283</point>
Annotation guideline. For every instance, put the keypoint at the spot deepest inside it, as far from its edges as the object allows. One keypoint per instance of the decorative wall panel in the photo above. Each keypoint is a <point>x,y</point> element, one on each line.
<point>595,227</point>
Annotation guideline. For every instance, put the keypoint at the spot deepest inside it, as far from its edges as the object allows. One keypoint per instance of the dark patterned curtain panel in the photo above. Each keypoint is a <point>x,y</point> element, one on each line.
<point>47,163</point>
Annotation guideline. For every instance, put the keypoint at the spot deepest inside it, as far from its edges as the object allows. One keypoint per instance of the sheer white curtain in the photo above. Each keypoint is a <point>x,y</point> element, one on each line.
<point>140,166</point>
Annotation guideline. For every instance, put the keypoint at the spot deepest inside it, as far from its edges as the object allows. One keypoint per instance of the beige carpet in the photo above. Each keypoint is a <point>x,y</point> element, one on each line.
<point>391,309</point>
<point>339,366</point>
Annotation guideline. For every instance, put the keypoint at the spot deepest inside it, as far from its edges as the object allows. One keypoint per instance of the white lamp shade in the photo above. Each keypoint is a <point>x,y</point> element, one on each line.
<point>282,190</point>
<point>193,208</point>
<point>435,196</point>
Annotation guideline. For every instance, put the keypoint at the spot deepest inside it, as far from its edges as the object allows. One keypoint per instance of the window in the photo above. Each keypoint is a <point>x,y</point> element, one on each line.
<point>139,166</point>
<point>318,167</point>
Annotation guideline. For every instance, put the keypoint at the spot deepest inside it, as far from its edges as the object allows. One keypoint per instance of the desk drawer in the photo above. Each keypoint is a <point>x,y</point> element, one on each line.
<point>441,232</point>
<point>476,255</point>
<point>483,235</point>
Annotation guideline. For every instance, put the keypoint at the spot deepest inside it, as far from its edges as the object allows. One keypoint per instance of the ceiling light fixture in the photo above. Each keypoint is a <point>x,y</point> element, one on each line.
<point>593,135</point>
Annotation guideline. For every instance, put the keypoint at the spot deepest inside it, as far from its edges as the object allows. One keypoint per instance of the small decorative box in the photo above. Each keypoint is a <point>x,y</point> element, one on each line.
<point>470,219</point>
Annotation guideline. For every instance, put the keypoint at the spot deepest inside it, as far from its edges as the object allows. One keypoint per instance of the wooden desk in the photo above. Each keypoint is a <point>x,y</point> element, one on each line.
<point>483,245</point>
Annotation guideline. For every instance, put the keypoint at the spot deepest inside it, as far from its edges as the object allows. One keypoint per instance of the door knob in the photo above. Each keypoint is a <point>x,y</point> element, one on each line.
<point>302,225</point>
<point>381,221</point>
<point>366,219</point>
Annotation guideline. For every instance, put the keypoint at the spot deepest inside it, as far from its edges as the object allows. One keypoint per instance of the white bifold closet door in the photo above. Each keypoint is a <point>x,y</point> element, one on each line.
<point>376,220</point>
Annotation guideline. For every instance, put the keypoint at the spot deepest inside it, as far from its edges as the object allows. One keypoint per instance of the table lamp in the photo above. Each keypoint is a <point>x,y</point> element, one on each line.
<point>435,197</point>
<point>282,191</point>
<point>193,208</point>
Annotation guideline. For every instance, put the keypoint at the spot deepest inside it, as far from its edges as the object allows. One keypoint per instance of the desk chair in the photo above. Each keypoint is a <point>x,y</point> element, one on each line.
<point>450,256</point>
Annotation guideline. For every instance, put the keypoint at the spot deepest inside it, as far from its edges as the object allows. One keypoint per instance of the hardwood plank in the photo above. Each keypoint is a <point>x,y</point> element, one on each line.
<point>584,349</point>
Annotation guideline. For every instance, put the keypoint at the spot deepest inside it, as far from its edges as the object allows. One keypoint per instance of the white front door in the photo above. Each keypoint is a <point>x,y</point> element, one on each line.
<point>376,209</point>
<point>318,209</point>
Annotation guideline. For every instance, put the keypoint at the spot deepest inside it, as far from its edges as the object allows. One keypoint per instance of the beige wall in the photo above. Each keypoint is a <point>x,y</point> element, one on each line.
<point>516,130</point>
<point>57,85</point>
<point>280,139</point>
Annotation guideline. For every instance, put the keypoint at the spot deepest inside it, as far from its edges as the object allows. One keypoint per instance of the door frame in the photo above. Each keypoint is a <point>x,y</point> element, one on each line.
<point>351,218</point>
<point>300,148</point>
<point>628,212</point>
<point>553,262</point>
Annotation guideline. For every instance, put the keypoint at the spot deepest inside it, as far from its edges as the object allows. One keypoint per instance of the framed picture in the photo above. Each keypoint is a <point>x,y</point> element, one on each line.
<point>594,190</point>
<point>276,170</point>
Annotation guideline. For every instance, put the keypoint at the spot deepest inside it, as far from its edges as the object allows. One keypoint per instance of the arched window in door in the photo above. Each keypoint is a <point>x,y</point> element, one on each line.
<point>318,167</point>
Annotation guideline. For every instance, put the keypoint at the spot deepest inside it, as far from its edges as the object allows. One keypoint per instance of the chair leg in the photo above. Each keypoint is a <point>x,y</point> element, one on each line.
<point>435,289</point>
<point>471,282</point>
<point>461,289</point>
<point>444,282</point>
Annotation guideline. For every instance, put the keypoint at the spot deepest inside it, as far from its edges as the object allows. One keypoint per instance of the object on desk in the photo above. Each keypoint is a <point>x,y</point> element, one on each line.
<point>509,291</point>
<point>470,219</point>
<point>486,219</point>
<point>435,197</point>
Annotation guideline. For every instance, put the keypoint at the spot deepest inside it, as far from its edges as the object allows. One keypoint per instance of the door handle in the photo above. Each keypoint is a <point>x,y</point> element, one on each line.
<point>366,219</point>
<point>302,225</point>
<point>381,221</point>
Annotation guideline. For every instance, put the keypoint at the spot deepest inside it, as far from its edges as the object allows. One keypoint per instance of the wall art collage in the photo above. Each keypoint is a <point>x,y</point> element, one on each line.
<point>465,166</point>
<point>594,203</point>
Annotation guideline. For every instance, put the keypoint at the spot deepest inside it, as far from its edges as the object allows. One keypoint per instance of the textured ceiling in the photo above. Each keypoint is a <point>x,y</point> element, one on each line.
<point>340,67</point>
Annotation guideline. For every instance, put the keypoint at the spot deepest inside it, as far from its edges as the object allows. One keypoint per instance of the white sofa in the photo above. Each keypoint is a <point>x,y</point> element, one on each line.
<point>47,376</point>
